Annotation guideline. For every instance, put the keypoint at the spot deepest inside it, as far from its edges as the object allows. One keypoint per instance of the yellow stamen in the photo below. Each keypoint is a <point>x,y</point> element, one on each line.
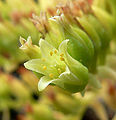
<point>62,55</point>
<point>55,51</point>
<point>43,60</point>
<point>61,58</point>
<point>59,70</point>
<point>51,53</point>
<point>44,67</point>
<point>22,41</point>
<point>51,75</point>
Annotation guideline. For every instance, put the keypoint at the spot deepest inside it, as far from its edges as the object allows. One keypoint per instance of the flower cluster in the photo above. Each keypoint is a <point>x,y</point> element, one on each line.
<point>76,41</point>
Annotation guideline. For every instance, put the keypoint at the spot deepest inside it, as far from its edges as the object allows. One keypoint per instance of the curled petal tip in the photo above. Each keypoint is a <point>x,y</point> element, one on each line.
<point>22,40</point>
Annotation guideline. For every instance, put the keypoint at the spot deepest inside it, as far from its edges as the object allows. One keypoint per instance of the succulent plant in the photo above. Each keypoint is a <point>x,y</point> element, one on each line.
<point>76,54</point>
<point>75,50</point>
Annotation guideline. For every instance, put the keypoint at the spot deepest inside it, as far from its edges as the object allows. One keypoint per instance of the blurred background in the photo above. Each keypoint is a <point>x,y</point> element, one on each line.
<point>19,95</point>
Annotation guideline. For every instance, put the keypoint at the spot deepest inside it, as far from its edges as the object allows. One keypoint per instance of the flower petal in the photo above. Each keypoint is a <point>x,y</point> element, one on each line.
<point>69,82</point>
<point>74,66</point>
<point>50,53</point>
<point>46,49</point>
<point>44,82</point>
<point>39,66</point>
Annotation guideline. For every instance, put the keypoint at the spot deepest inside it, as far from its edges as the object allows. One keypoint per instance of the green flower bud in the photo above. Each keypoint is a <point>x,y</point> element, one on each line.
<point>104,36</point>
<point>112,4</point>
<point>80,46</point>
<point>31,50</point>
<point>105,18</point>
<point>91,32</point>
<point>41,23</point>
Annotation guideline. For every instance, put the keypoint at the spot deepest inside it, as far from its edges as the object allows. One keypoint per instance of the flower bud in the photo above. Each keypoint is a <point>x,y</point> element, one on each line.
<point>80,46</point>
<point>31,50</point>
<point>41,23</point>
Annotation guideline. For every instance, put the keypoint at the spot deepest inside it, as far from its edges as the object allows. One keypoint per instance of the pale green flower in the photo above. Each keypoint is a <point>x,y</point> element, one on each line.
<point>58,68</point>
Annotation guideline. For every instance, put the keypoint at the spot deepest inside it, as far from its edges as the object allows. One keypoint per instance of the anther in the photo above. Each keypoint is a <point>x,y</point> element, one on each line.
<point>62,55</point>
<point>43,60</point>
<point>55,51</point>
<point>59,70</point>
<point>51,53</point>
<point>61,58</point>
<point>44,67</point>
<point>51,75</point>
